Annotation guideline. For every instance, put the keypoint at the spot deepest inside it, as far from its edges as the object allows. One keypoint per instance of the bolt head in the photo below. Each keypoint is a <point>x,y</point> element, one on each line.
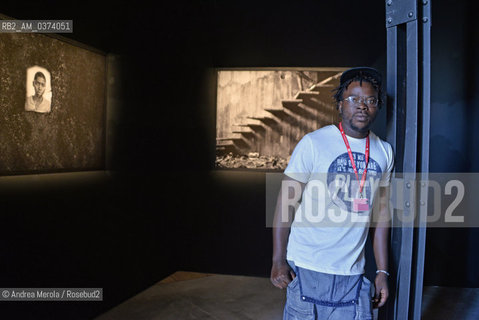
<point>410,14</point>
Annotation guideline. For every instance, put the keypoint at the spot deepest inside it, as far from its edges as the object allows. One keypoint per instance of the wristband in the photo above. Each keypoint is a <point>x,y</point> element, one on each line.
<point>383,271</point>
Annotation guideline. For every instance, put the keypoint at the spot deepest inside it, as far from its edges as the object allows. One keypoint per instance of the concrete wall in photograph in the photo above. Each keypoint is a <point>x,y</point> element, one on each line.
<point>268,111</point>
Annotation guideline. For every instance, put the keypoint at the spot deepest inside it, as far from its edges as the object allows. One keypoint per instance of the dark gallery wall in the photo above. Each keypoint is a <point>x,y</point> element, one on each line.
<point>451,254</point>
<point>163,207</point>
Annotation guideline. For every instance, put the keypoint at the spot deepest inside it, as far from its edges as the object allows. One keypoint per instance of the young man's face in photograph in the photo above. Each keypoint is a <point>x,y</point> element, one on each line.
<point>39,84</point>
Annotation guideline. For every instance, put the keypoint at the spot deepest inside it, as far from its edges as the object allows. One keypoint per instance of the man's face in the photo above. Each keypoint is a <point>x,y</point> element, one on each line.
<point>39,85</point>
<point>358,117</point>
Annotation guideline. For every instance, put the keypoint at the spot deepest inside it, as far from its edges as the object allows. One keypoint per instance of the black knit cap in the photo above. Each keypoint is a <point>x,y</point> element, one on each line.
<point>367,71</point>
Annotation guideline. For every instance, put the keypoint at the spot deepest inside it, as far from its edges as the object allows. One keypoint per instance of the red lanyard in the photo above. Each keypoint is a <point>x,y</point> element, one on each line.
<point>350,153</point>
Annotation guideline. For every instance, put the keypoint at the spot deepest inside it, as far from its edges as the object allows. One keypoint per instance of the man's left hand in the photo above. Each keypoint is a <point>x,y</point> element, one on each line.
<point>382,291</point>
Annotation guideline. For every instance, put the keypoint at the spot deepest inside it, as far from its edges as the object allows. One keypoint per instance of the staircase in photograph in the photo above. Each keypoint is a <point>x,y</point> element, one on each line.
<point>265,141</point>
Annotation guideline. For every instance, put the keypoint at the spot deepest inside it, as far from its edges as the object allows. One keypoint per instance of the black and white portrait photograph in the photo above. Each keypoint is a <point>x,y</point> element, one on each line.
<point>52,105</point>
<point>39,91</point>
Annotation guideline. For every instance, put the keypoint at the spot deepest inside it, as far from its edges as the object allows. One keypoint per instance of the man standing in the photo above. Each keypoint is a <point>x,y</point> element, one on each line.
<point>38,102</point>
<point>341,174</point>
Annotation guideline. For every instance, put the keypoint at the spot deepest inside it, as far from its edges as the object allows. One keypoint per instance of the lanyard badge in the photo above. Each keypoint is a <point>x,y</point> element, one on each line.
<point>361,203</point>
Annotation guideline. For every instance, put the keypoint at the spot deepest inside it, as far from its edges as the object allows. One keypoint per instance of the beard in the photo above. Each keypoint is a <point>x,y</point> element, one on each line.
<point>365,129</point>
<point>355,128</point>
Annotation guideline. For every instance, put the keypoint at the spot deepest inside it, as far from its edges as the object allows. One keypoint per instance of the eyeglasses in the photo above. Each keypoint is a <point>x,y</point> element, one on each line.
<point>370,102</point>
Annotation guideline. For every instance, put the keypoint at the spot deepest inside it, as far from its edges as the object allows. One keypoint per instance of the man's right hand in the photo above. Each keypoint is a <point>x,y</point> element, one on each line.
<point>281,274</point>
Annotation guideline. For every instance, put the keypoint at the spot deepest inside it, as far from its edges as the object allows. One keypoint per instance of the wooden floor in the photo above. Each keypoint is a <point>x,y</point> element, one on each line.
<point>192,295</point>
<point>189,295</point>
<point>184,275</point>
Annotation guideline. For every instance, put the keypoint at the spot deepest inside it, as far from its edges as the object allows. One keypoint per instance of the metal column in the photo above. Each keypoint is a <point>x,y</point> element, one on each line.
<point>408,84</point>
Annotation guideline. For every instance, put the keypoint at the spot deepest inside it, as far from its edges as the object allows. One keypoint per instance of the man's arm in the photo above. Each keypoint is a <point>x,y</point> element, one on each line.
<point>281,273</point>
<point>380,245</point>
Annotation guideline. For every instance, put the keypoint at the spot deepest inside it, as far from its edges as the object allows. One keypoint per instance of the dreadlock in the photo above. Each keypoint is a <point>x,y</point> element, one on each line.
<point>338,95</point>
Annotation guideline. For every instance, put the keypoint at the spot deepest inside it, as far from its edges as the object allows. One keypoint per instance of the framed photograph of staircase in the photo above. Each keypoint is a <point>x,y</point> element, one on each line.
<point>262,113</point>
